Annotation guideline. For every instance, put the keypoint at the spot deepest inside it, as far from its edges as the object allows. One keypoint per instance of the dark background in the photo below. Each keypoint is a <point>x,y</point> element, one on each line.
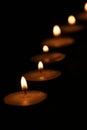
<point>24,25</point>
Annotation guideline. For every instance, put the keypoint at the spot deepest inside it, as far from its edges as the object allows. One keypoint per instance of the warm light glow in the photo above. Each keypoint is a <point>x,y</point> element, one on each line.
<point>45,48</point>
<point>85,7</point>
<point>71,20</point>
<point>24,85</point>
<point>56,30</point>
<point>40,65</point>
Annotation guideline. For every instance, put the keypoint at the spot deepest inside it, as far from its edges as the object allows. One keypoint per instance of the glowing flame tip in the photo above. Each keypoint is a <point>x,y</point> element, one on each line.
<point>24,85</point>
<point>85,7</point>
<point>71,20</point>
<point>45,48</point>
<point>40,65</point>
<point>56,30</point>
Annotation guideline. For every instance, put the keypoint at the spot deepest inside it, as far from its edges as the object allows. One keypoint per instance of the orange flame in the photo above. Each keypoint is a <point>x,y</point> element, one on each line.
<point>56,30</point>
<point>24,85</point>
<point>45,48</point>
<point>71,20</point>
<point>40,65</point>
<point>85,7</point>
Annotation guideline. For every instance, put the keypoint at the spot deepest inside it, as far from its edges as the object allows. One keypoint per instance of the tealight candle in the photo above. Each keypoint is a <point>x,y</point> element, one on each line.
<point>83,15</point>
<point>25,97</point>
<point>58,41</point>
<point>48,57</point>
<point>71,26</point>
<point>41,74</point>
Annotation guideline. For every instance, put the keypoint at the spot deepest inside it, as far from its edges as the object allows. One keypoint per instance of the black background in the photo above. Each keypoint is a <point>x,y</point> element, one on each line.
<point>24,25</point>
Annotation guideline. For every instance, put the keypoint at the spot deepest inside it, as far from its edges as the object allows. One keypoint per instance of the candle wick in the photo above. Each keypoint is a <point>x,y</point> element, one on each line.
<point>25,91</point>
<point>40,70</point>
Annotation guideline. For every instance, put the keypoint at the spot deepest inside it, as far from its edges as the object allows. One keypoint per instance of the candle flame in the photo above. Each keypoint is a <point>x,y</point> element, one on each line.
<point>45,48</point>
<point>24,85</point>
<point>85,7</point>
<point>71,20</point>
<point>56,30</point>
<point>40,65</point>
